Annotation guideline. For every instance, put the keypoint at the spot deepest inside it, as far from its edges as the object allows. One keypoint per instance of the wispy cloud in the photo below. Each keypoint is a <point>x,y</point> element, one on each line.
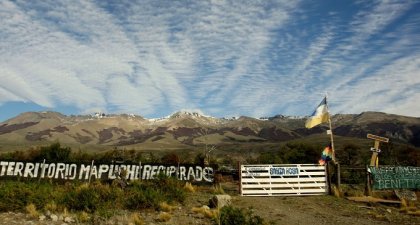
<point>380,61</point>
<point>223,57</point>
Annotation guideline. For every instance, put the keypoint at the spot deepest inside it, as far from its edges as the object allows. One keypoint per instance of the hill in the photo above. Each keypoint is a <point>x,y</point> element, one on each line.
<point>184,130</point>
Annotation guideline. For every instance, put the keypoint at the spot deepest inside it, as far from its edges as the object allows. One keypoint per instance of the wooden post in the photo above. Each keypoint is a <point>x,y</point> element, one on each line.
<point>368,189</point>
<point>336,163</point>
<point>178,176</point>
<point>42,170</point>
<point>330,132</point>
<point>140,178</point>
<point>90,170</point>
<point>338,177</point>
<point>240,178</point>
<point>327,167</point>
<point>374,160</point>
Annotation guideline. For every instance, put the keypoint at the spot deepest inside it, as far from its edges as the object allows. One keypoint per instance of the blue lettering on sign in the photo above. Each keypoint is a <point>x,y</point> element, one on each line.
<point>281,171</point>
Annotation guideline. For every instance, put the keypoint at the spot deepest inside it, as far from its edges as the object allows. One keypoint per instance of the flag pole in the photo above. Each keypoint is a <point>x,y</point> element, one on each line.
<point>332,138</point>
<point>330,131</point>
<point>337,165</point>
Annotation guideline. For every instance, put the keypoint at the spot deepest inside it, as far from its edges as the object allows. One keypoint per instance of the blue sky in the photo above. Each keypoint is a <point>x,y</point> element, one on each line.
<point>223,58</point>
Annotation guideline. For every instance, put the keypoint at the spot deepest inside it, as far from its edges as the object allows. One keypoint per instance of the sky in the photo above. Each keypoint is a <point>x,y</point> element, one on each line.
<point>220,58</point>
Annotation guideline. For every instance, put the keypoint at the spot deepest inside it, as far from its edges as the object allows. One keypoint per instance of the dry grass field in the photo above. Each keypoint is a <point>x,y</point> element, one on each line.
<point>313,210</point>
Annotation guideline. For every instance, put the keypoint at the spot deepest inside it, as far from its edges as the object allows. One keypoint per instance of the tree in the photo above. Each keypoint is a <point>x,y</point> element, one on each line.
<point>170,158</point>
<point>55,153</point>
<point>350,155</point>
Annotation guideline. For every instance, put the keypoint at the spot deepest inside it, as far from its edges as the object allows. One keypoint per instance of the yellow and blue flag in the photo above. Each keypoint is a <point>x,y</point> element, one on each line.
<point>320,115</point>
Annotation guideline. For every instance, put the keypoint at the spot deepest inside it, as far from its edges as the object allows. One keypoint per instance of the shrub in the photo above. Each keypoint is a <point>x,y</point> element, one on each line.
<point>31,210</point>
<point>151,193</point>
<point>83,198</point>
<point>16,195</point>
<point>51,206</point>
<point>229,215</point>
<point>189,187</point>
<point>54,153</point>
<point>95,198</point>
<point>90,198</point>
<point>142,195</point>
<point>172,189</point>
<point>13,196</point>
<point>232,216</point>
<point>164,217</point>
<point>207,212</point>
<point>136,219</point>
<point>83,217</point>
<point>163,206</point>
<point>218,189</point>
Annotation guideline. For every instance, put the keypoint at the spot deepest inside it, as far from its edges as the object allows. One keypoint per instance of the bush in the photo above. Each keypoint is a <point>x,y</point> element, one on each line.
<point>54,153</point>
<point>90,198</point>
<point>235,216</point>
<point>141,195</point>
<point>31,210</point>
<point>136,219</point>
<point>16,195</point>
<point>232,216</point>
<point>164,217</point>
<point>83,198</point>
<point>95,198</point>
<point>151,193</point>
<point>172,189</point>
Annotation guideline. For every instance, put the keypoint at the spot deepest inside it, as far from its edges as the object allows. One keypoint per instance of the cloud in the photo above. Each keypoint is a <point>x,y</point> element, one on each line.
<point>367,65</point>
<point>223,57</point>
<point>53,64</point>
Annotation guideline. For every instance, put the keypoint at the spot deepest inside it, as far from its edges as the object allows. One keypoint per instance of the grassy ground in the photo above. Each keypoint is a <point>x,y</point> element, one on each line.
<point>114,205</point>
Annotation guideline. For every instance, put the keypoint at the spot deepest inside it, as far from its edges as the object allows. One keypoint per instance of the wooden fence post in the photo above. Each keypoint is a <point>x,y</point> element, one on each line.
<point>90,171</point>
<point>327,166</point>
<point>338,171</point>
<point>368,188</point>
<point>42,169</point>
<point>240,178</point>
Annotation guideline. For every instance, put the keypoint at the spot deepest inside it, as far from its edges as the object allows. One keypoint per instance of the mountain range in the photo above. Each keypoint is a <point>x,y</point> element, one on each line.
<point>186,129</point>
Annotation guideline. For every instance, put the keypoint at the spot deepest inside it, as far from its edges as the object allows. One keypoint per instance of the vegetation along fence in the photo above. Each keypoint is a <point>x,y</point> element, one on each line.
<point>353,175</point>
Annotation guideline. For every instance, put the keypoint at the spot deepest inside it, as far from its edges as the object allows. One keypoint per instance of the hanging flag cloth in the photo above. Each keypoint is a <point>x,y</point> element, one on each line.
<point>326,155</point>
<point>320,115</point>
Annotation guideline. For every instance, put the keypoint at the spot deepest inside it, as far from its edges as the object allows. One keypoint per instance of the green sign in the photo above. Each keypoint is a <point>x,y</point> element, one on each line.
<point>395,177</point>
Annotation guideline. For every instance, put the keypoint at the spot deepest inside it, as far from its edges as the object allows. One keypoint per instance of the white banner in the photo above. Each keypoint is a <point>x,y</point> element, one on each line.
<point>72,171</point>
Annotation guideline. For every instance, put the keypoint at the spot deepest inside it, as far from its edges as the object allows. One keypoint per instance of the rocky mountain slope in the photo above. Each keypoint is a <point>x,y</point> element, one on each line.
<point>188,129</point>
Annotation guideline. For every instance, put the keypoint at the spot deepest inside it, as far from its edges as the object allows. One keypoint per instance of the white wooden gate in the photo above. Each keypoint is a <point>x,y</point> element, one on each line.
<point>283,180</point>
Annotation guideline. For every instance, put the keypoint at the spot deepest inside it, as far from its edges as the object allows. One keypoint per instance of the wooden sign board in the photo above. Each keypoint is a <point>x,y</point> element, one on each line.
<point>378,138</point>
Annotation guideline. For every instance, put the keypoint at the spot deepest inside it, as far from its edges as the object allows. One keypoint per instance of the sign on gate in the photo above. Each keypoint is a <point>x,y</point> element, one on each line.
<point>287,179</point>
<point>285,171</point>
